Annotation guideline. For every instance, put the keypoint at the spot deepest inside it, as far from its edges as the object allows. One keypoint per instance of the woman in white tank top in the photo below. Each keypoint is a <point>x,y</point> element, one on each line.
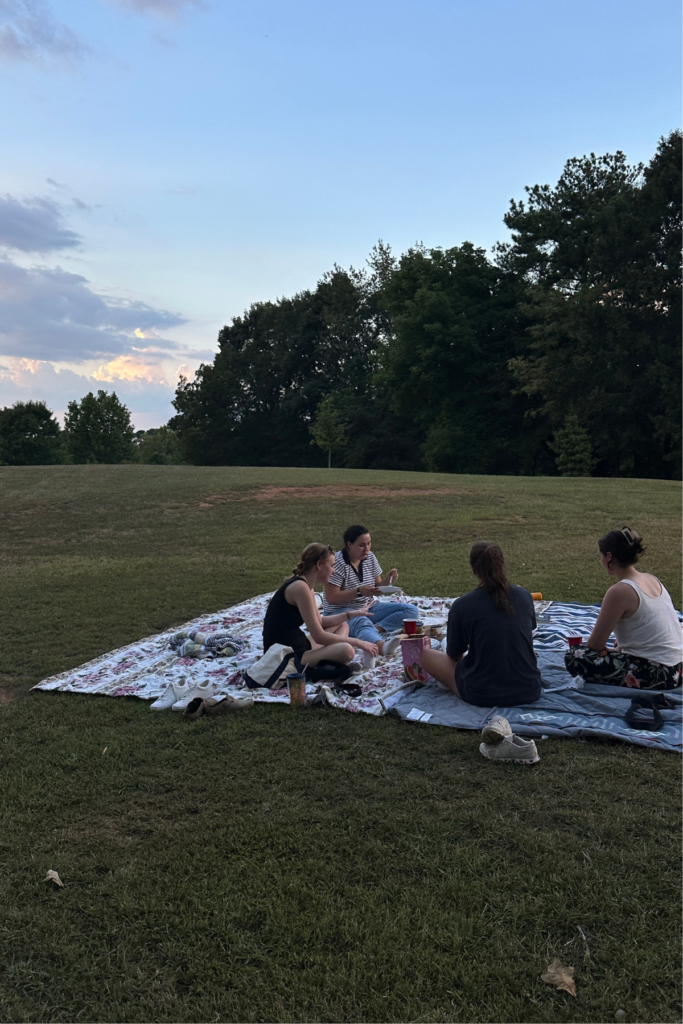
<point>639,610</point>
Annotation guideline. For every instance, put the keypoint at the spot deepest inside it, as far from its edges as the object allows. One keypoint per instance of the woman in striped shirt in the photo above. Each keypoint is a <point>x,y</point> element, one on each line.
<point>356,578</point>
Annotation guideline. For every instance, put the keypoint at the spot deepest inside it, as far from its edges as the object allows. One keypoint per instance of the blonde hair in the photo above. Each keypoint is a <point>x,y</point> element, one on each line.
<point>310,556</point>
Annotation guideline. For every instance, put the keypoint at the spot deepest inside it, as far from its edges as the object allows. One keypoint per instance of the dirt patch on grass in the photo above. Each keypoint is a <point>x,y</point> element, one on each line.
<point>134,821</point>
<point>352,491</point>
<point>12,687</point>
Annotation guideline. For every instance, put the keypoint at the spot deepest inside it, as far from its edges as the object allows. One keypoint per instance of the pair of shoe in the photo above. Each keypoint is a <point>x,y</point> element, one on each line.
<point>500,744</point>
<point>178,695</point>
<point>199,706</point>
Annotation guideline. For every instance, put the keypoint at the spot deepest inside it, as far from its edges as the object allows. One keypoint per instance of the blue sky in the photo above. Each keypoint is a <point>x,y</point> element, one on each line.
<point>166,163</point>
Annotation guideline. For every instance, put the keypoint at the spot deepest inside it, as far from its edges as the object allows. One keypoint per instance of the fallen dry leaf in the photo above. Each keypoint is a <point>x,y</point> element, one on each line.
<point>561,976</point>
<point>105,750</point>
<point>52,876</point>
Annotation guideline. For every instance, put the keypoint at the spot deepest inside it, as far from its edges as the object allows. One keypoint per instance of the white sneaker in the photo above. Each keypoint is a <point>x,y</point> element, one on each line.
<point>167,699</point>
<point>512,748</point>
<point>389,647</point>
<point>496,730</point>
<point>188,693</point>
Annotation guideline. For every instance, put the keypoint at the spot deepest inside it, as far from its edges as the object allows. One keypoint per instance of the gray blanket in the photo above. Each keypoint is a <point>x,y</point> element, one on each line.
<point>562,710</point>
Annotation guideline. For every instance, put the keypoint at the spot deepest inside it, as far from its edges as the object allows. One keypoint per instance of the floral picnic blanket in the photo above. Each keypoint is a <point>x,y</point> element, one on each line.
<point>145,668</point>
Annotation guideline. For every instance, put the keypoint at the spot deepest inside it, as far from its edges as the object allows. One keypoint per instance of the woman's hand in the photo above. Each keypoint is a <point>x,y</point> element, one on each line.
<point>365,645</point>
<point>369,590</point>
<point>392,576</point>
<point>357,612</point>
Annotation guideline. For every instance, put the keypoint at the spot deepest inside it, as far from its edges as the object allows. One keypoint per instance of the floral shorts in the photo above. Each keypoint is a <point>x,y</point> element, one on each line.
<point>616,669</point>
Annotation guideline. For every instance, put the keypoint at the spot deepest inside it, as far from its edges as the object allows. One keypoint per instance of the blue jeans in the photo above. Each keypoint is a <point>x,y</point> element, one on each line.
<point>390,614</point>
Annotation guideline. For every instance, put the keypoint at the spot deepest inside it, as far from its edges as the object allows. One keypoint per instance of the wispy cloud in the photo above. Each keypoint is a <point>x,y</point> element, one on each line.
<point>34,225</point>
<point>29,34</point>
<point>170,9</point>
<point>52,314</point>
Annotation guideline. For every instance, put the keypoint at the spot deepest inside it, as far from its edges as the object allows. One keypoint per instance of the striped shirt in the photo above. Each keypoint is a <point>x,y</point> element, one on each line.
<point>346,578</point>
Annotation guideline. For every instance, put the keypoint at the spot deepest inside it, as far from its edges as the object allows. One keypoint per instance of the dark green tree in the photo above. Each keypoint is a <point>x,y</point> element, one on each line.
<point>329,429</point>
<point>255,404</point>
<point>30,436</point>
<point>600,256</point>
<point>158,446</point>
<point>572,447</point>
<point>455,326</point>
<point>98,429</point>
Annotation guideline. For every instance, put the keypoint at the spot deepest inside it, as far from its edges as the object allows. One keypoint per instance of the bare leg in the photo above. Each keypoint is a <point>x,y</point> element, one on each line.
<point>333,652</point>
<point>441,667</point>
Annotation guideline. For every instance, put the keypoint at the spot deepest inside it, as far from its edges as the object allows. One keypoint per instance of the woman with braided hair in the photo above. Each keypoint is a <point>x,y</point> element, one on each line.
<point>639,610</point>
<point>293,606</point>
<point>489,657</point>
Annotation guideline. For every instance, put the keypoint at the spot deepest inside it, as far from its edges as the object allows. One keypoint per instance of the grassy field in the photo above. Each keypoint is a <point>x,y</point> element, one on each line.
<point>283,866</point>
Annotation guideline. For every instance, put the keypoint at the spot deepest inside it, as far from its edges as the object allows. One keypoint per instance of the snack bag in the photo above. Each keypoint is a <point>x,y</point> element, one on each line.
<point>411,649</point>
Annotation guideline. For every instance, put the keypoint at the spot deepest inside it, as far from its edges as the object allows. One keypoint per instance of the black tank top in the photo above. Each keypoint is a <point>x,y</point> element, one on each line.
<point>283,621</point>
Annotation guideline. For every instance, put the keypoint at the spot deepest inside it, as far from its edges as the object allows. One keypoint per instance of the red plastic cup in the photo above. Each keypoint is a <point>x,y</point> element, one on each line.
<point>574,641</point>
<point>410,626</point>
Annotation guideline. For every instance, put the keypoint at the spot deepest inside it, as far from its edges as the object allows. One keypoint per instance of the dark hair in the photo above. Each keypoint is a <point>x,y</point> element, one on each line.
<point>310,556</point>
<point>353,533</point>
<point>487,561</point>
<point>625,546</point>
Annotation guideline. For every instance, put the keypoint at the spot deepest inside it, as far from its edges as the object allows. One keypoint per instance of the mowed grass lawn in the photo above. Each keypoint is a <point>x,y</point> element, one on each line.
<point>312,866</point>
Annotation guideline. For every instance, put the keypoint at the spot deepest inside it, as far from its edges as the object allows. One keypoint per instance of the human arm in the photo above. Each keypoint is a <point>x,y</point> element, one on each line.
<point>457,641</point>
<point>335,595</point>
<point>301,595</point>
<point>620,601</point>
<point>335,620</point>
<point>388,580</point>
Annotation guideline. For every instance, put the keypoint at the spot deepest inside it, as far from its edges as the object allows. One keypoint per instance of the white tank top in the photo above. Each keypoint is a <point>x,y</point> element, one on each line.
<point>653,631</point>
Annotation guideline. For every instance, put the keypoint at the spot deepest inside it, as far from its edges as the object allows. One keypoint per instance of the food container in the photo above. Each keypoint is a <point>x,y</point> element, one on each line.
<point>411,651</point>
<point>296,685</point>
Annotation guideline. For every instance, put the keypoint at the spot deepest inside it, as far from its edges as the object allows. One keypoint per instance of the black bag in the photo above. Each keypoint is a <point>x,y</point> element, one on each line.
<point>644,712</point>
<point>327,671</point>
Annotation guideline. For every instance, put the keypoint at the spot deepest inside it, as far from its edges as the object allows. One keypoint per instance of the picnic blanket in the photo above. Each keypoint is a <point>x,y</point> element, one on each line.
<point>145,668</point>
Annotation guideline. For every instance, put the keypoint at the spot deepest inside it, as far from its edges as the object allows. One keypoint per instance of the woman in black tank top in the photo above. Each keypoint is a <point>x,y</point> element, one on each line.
<point>293,606</point>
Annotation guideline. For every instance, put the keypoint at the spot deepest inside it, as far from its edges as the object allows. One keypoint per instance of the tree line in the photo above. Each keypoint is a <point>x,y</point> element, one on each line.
<point>97,429</point>
<point>558,353</point>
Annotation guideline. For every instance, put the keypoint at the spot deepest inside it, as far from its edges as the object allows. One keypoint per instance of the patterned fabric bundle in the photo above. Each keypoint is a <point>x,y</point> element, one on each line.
<point>192,643</point>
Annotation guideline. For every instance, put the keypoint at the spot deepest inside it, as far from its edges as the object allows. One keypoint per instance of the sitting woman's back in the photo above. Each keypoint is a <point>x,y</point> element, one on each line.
<point>500,667</point>
<point>489,659</point>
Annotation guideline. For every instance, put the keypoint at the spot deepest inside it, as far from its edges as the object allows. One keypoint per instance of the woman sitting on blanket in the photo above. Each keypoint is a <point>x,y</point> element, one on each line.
<point>356,577</point>
<point>293,605</point>
<point>490,658</point>
<point>638,609</point>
